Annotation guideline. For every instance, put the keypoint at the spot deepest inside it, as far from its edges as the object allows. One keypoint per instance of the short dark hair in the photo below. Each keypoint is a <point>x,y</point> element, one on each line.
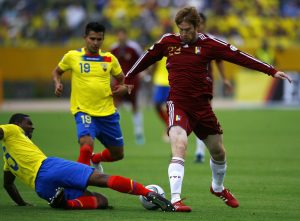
<point>17,118</point>
<point>94,26</point>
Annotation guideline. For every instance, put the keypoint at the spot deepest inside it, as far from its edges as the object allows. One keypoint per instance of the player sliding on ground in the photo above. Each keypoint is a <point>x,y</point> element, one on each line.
<point>61,182</point>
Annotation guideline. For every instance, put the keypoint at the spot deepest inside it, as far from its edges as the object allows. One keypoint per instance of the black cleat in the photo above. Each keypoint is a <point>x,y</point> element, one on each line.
<point>160,201</point>
<point>58,200</point>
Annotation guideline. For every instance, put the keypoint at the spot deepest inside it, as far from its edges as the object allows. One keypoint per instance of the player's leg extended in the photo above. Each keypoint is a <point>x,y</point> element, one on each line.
<point>218,167</point>
<point>217,162</point>
<point>110,135</point>
<point>85,134</point>
<point>126,185</point>
<point>179,128</point>
<point>178,140</point>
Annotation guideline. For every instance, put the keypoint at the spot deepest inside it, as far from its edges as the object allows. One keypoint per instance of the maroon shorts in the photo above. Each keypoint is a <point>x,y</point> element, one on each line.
<point>201,120</point>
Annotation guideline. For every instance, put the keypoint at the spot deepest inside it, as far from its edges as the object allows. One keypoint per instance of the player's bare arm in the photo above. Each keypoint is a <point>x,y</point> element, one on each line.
<point>227,85</point>
<point>10,187</point>
<point>283,76</point>
<point>121,88</point>
<point>58,86</point>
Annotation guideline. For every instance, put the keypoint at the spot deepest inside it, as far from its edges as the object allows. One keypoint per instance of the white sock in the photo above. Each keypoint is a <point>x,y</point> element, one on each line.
<point>218,169</point>
<point>200,147</point>
<point>138,123</point>
<point>176,174</point>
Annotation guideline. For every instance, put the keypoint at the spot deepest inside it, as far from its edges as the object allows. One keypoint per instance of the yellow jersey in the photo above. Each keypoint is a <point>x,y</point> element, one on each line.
<point>21,157</point>
<point>161,74</point>
<point>91,92</point>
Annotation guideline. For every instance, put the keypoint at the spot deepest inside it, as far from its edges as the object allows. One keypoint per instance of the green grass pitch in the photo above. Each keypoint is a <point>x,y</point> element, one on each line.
<point>263,153</point>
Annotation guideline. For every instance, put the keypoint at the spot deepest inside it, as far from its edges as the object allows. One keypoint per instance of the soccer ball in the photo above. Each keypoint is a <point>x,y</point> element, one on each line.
<point>145,203</point>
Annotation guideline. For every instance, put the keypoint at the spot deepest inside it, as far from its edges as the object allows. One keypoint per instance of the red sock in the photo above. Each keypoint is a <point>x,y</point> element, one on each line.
<point>163,116</point>
<point>103,156</point>
<point>85,154</point>
<point>83,202</point>
<point>126,185</point>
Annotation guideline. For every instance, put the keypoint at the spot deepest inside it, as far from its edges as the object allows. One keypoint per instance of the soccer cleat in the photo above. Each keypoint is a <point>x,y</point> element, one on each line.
<point>227,197</point>
<point>160,201</point>
<point>98,167</point>
<point>181,207</point>
<point>58,200</point>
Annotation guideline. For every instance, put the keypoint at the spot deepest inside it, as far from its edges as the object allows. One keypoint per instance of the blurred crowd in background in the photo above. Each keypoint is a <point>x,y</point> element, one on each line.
<point>30,23</point>
<point>36,33</point>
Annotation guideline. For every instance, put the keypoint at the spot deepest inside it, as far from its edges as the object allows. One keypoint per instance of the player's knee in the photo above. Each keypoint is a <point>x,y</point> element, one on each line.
<point>102,202</point>
<point>179,136</point>
<point>218,154</point>
<point>118,156</point>
<point>86,140</point>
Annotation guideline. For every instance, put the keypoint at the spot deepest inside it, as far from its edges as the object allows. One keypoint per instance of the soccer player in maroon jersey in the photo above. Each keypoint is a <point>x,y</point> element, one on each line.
<point>189,104</point>
<point>127,52</point>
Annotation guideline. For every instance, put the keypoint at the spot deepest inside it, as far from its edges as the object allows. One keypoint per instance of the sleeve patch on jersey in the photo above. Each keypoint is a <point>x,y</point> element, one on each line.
<point>233,48</point>
<point>96,58</point>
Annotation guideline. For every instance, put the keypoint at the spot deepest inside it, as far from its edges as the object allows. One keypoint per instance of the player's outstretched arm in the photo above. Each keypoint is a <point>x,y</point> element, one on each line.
<point>283,76</point>
<point>120,89</point>
<point>10,187</point>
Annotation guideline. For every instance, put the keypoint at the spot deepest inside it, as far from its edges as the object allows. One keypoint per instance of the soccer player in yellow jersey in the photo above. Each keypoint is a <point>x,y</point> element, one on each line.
<point>61,182</point>
<point>161,90</point>
<point>92,97</point>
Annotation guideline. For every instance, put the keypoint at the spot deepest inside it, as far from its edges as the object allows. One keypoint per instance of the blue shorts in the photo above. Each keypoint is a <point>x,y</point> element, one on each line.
<point>160,94</point>
<point>106,129</point>
<point>56,172</point>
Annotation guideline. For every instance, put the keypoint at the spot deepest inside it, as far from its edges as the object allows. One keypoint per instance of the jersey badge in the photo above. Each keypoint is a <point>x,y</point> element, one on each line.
<point>197,50</point>
<point>177,118</point>
<point>104,67</point>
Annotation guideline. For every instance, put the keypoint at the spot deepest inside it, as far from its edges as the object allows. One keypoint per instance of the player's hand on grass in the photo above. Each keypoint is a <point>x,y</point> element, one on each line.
<point>282,75</point>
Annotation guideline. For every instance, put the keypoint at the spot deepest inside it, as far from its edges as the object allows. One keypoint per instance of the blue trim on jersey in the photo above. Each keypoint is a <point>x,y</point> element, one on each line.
<point>92,58</point>
<point>57,172</point>
<point>160,94</point>
<point>106,129</point>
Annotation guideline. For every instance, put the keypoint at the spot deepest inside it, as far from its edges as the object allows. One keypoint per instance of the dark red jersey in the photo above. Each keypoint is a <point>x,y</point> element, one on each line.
<point>188,65</point>
<point>127,54</point>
